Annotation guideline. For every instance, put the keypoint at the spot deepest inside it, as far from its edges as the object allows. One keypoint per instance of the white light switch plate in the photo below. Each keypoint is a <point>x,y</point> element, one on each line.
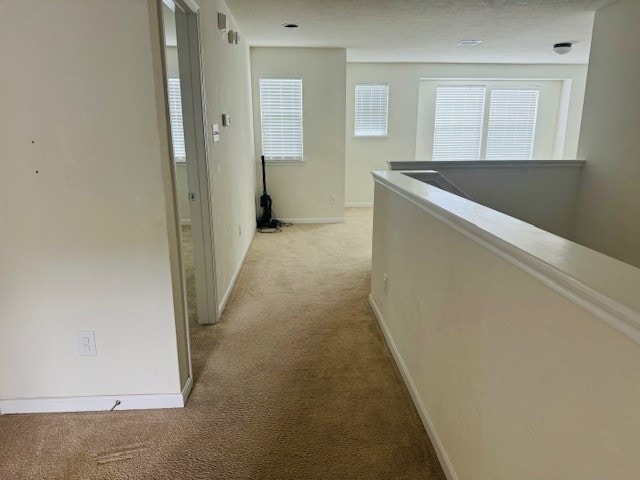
<point>86,342</point>
<point>215,131</point>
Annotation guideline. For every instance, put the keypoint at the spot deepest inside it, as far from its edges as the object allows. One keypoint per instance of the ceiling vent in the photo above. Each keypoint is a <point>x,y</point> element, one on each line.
<point>469,43</point>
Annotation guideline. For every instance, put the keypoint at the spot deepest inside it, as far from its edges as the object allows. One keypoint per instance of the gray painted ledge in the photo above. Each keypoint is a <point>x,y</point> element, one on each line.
<point>434,165</point>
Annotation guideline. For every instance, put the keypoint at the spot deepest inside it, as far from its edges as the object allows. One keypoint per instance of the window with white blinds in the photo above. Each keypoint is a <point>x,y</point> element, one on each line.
<point>281,117</point>
<point>458,123</point>
<point>474,122</point>
<point>371,110</point>
<point>512,123</point>
<point>175,113</point>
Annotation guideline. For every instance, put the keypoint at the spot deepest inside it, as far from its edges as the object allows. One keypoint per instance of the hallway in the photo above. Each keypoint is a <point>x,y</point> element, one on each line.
<point>295,382</point>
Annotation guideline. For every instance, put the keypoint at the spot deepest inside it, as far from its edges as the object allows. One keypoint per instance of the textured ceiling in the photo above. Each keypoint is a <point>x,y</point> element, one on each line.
<point>513,31</point>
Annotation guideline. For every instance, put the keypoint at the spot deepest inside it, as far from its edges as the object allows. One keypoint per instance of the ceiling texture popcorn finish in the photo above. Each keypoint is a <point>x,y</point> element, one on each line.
<point>513,31</point>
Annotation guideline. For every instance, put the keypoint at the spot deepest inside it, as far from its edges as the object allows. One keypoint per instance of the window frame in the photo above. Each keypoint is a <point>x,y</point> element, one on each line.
<point>355,110</point>
<point>281,160</point>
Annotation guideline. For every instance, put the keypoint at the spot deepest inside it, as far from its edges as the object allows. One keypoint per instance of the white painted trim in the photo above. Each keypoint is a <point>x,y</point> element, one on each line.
<point>232,283</point>
<point>186,390</point>
<point>185,221</point>
<point>573,285</point>
<point>312,220</point>
<point>358,204</point>
<point>441,452</point>
<point>93,404</point>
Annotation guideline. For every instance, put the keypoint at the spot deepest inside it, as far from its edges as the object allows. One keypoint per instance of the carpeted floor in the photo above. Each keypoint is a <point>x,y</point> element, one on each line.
<point>295,382</point>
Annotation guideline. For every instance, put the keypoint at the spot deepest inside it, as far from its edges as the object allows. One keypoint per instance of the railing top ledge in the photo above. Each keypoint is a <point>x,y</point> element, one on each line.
<point>605,286</point>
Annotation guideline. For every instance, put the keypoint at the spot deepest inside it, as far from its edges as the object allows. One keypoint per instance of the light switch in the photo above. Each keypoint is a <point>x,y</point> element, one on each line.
<point>215,132</point>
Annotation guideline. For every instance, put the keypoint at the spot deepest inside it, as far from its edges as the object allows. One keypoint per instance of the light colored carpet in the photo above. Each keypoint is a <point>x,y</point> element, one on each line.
<point>296,382</point>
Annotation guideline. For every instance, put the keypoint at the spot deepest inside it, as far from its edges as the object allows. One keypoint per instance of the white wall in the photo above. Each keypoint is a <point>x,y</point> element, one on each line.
<point>366,155</point>
<point>226,70</point>
<point>302,192</point>
<point>519,382</point>
<point>173,68</point>
<point>88,239</point>
<point>608,215</point>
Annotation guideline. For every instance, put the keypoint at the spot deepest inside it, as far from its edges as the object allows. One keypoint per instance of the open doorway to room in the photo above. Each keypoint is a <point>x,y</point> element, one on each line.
<point>191,168</point>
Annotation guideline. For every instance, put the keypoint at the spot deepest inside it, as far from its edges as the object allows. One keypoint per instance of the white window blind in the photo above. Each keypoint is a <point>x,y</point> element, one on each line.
<point>281,117</point>
<point>512,123</point>
<point>371,110</point>
<point>175,113</point>
<point>458,123</point>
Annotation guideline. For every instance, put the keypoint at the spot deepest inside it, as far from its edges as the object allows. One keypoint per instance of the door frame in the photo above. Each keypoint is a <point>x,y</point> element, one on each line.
<point>195,127</point>
<point>197,157</point>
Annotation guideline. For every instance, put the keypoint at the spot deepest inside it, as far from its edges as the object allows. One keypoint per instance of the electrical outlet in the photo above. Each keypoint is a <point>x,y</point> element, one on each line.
<point>86,342</point>
<point>385,284</point>
<point>332,199</point>
<point>239,230</point>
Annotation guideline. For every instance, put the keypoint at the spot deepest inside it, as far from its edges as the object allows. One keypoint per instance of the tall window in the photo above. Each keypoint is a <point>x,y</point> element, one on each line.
<point>175,114</point>
<point>371,110</point>
<point>476,122</point>
<point>512,124</point>
<point>458,126</point>
<point>281,117</point>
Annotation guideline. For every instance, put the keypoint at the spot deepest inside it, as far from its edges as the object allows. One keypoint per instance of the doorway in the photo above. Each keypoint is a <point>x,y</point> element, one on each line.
<point>190,157</point>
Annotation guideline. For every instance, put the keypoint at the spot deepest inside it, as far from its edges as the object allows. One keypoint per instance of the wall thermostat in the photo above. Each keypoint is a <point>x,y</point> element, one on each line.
<point>226,119</point>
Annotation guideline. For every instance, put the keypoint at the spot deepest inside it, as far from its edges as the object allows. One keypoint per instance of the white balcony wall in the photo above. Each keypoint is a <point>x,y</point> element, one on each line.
<point>513,378</point>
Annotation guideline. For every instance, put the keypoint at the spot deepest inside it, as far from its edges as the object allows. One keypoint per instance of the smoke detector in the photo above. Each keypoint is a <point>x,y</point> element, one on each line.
<point>562,48</point>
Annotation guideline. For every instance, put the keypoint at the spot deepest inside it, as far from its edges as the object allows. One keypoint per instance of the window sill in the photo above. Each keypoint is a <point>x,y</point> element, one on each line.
<point>284,162</point>
<point>370,137</point>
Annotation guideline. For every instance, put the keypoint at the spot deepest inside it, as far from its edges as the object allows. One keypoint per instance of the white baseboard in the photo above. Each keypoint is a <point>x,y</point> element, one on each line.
<point>445,461</point>
<point>186,390</point>
<point>95,404</point>
<point>313,220</point>
<point>358,204</point>
<point>185,221</point>
<point>223,302</point>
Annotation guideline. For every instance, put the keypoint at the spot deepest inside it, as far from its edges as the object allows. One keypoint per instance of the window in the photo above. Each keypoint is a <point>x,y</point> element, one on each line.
<point>458,127</point>
<point>512,124</point>
<point>281,117</point>
<point>175,114</point>
<point>466,129</point>
<point>371,111</point>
